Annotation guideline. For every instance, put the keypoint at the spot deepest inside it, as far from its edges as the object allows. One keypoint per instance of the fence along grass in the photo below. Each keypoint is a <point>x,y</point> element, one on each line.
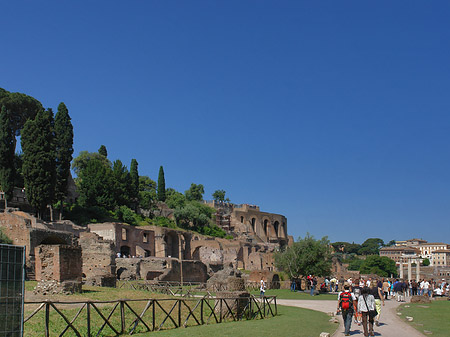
<point>113,318</point>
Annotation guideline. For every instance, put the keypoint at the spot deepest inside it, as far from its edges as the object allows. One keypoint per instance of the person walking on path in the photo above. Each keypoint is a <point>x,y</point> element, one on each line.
<point>366,303</point>
<point>379,298</point>
<point>346,300</point>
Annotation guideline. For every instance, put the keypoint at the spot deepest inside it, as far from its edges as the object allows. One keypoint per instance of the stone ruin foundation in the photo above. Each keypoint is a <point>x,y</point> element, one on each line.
<point>58,269</point>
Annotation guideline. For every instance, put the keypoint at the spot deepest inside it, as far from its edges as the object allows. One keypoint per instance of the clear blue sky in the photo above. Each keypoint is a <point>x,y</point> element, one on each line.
<point>332,113</point>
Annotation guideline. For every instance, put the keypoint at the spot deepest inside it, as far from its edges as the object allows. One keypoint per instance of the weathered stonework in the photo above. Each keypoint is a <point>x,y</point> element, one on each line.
<point>161,269</point>
<point>58,262</point>
<point>99,260</point>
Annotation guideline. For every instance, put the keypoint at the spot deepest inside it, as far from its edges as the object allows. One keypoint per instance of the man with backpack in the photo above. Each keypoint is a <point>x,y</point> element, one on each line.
<point>346,299</point>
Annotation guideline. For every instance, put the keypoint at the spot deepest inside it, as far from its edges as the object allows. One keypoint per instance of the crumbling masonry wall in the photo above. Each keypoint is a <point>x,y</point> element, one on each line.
<point>58,262</point>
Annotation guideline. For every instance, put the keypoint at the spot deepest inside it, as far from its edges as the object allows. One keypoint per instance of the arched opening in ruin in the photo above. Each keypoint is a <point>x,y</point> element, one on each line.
<point>53,240</point>
<point>172,245</point>
<point>253,224</point>
<point>119,272</point>
<point>124,251</point>
<point>276,226</point>
<point>196,254</point>
<point>242,219</point>
<point>265,226</point>
<point>147,253</point>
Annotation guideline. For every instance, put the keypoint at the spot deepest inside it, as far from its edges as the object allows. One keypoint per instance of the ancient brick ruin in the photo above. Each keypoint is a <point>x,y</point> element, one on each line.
<point>101,253</point>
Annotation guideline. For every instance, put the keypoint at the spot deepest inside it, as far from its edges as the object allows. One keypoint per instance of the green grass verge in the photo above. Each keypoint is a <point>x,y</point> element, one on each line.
<point>287,294</point>
<point>292,322</point>
<point>432,317</point>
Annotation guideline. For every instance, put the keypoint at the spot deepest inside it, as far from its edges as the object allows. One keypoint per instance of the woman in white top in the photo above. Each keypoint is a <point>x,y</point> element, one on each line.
<point>366,302</point>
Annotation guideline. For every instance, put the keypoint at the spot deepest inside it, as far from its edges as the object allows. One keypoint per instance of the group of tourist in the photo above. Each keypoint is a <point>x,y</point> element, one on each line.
<point>405,288</point>
<point>361,301</point>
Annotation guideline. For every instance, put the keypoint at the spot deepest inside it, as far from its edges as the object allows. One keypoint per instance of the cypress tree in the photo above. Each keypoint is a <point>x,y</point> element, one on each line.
<point>7,141</point>
<point>102,150</point>
<point>39,160</point>
<point>134,181</point>
<point>64,151</point>
<point>161,185</point>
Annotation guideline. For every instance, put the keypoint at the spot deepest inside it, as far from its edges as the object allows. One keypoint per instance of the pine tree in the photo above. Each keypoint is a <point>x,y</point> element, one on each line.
<point>134,182</point>
<point>6,154</point>
<point>161,185</point>
<point>39,160</point>
<point>64,151</point>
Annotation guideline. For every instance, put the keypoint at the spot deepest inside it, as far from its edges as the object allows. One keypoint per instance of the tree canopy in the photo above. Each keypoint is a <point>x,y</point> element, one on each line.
<point>7,170</point>
<point>64,151</point>
<point>380,265</point>
<point>195,192</point>
<point>161,185</point>
<point>21,107</point>
<point>39,160</point>
<point>306,256</point>
<point>219,196</point>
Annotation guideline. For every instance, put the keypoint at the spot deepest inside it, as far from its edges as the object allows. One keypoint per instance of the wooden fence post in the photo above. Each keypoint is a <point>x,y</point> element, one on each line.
<point>88,315</point>
<point>122,316</point>
<point>201,311</point>
<point>47,319</point>
<point>179,313</point>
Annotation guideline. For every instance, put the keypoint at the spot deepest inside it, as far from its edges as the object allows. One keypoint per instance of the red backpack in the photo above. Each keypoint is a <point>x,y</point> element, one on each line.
<point>346,300</point>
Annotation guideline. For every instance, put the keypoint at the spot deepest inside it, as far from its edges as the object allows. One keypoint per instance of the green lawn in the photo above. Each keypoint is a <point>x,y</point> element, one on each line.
<point>286,294</point>
<point>433,317</point>
<point>292,322</point>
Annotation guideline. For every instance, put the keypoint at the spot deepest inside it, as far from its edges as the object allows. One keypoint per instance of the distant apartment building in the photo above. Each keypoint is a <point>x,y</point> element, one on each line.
<point>440,258</point>
<point>410,242</point>
<point>397,253</point>
<point>427,249</point>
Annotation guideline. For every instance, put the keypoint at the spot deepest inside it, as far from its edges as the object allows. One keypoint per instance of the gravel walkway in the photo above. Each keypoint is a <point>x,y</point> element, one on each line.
<point>390,324</point>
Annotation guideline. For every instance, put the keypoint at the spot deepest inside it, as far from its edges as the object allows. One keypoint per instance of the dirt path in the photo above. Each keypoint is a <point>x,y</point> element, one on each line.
<point>390,324</point>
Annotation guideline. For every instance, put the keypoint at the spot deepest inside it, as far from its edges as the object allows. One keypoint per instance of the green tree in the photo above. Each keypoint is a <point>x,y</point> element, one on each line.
<point>161,185</point>
<point>194,215</point>
<point>306,256</point>
<point>219,196</point>
<point>121,184</point>
<point>147,193</point>
<point>371,246</point>
<point>21,108</point>
<point>134,175</point>
<point>95,185</point>
<point>84,157</point>
<point>175,199</point>
<point>425,262</point>
<point>195,192</point>
<point>64,152</point>
<point>7,172</point>
<point>38,145</point>
<point>380,265</point>
<point>18,176</point>
<point>102,151</point>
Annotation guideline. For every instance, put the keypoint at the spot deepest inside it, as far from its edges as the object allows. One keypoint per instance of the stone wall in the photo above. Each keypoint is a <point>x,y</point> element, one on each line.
<point>160,269</point>
<point>58,262</point>
<point>99,259</point>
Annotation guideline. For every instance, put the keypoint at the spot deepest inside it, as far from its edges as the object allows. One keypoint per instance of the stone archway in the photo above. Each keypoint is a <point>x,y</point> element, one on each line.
<point>172,245</point>
<point>276,226</point>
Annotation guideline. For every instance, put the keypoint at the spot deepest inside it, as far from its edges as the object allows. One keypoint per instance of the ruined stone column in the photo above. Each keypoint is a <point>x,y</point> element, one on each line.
<point>409,270</point>
<point>417,269</point>
<point>401,270</point>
